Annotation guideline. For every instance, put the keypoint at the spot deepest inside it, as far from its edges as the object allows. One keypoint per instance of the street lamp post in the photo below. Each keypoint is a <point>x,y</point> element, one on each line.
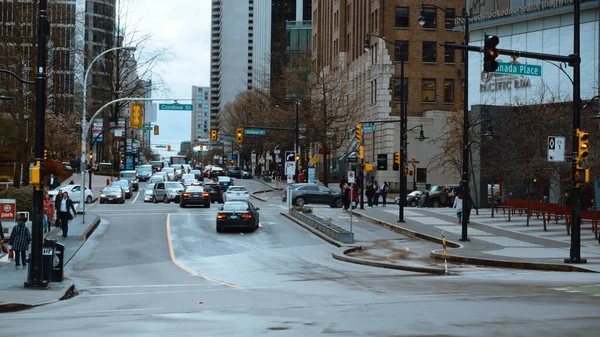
<point>297,144</point>
<point>465,159</point>
<point>403,122</point>
<point>84,127</point>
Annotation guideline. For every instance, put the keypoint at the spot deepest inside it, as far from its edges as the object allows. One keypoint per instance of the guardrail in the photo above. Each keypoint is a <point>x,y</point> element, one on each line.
<point>329,229</point>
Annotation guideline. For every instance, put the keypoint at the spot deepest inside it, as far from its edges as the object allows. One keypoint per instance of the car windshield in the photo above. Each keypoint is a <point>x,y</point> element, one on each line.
<point>144,170</point>
<point>176,167</point>
<point>157,178</point>
<point>150,186</point>
<point>237,189</point>
<point>235,206</point>
<point>194,189</point>
<point>169,170</point>
<point>172,185</point>
<point>122,183</point>
<point>128,175</point>
<point>112,189</point>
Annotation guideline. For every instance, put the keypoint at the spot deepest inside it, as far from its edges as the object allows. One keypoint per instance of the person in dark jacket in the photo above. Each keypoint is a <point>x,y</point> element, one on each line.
<point>64,212</point>
<point>19,240</point>
<point>52,182</point>
<point>57,200</point>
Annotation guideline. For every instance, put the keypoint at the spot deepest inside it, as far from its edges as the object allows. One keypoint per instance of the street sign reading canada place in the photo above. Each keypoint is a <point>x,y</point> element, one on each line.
<point>519,69</point>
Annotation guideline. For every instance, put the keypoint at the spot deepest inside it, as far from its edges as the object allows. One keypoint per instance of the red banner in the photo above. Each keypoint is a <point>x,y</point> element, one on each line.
<point>8,211</point>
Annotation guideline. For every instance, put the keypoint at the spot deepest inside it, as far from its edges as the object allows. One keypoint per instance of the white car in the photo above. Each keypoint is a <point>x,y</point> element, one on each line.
<point>148,192</point>
<point>74,193</point>
<point>156,178</point>
<point>239,193</point>
<point>170,173</point>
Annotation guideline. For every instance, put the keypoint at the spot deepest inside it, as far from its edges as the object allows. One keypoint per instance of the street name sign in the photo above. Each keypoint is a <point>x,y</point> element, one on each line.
<point>370,127</point>
<point>556,149</point>
<point>176,107</point>
<point>255,132</point>
<point>519,69</point>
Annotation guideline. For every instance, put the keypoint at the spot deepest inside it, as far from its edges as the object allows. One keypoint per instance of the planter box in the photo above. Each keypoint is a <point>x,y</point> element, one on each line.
<point>325,227</point>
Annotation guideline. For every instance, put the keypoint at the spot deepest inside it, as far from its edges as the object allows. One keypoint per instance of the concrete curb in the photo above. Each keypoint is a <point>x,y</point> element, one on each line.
<point>406,231</point>
<point>13,307</point>
<point>314,231</point>
<point>261,191</point>
<point>86,234</point>
<point>437,254</point>
<point>350,259</point>
<point>269,186</point>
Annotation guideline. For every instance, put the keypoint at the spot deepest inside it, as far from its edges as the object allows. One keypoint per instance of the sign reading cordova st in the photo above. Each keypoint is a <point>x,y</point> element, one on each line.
<point>255,132</point>
<point>519,69</point>
<point>176,107</point>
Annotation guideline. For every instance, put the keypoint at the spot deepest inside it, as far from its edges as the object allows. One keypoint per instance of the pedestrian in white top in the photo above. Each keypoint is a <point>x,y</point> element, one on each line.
<point>458,202</point>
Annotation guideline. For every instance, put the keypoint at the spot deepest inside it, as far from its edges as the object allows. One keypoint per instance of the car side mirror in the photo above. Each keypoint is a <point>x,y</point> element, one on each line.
<point>220,208</point>
<point>257,208</point>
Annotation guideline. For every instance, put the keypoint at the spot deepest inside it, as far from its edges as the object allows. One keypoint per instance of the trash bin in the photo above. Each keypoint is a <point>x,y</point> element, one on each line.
<point>47,258</point>
<point>58,262</point>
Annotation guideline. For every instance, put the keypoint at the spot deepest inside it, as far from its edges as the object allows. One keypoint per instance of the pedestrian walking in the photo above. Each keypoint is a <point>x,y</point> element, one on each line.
<point>52,182</point>
<point>458,205</point>
<point>57,200</point>
<point>384,189</point>
<point>20,237</point>
<point>346,195</point>
<point>355,189</point>
<point>48,212</point>
<point>376,193</point>
<point>64,212</point>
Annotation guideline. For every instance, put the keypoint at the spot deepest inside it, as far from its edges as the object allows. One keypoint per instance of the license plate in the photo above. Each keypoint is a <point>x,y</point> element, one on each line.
<point>110,198</point>
<point>196,195</point>
<point>233,217</point>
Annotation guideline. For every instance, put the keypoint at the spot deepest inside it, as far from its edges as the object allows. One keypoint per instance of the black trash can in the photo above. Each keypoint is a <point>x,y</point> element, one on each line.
<point>58,263</point>
<point>48,251</point>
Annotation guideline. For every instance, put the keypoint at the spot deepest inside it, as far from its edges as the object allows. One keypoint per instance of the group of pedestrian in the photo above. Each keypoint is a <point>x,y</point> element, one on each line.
<point>374,191</point>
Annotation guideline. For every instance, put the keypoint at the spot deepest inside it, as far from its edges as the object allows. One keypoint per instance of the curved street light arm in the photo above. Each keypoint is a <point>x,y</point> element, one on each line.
<point>16,76</point>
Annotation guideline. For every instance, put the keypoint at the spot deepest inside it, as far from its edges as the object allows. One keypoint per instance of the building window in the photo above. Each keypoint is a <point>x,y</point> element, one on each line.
<point>396,81</point>
<point>422,175</point>
<point>430,14</point>
<point>428,90</point>
<point>429,51</point>
<point>401,17</point>
<point>401,50</point>
<point>449,54</point>
<point>449,91</point>
<point>450,15</point>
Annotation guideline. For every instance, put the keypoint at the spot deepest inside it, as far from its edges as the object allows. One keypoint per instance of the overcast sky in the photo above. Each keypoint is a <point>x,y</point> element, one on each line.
<point>184,27</point>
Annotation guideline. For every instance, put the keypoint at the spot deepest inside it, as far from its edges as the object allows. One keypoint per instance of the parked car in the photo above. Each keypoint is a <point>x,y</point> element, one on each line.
<point>125,185</point>
<point>304,193</point>
<point>144,172</point>
<point>443,195</point>
<point>74,193</point>
<point>234,171</point>
<point>246,175</point>
<point>112,194</point>
<point>236,193</point>
<point>148,191</point>
<point>130,176</point>
<point>194,195</point>
<point>215,192</point>
<point>239,214</point>
<point>413,198</point>
<point>224,182</point>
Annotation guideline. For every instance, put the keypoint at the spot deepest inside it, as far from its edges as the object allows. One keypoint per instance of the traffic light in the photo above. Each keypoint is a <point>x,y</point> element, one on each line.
<point>490,53</point>
<point>583,139</point>
<point>239,135</point>
<point>156,130</point>
<point>213,134</point>
<point>582,176</point>
<point>168,147</point>
<point>91,156</point>
<point>358,133</point>
<point>397,158</point>
<point>201,147</point>
<point>137,115</point>
<point>361,152</point>
<point>45,154</point>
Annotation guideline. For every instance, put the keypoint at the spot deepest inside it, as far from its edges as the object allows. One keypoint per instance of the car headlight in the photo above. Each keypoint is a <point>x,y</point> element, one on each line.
<point>119,195</point>
<point>102,196</point>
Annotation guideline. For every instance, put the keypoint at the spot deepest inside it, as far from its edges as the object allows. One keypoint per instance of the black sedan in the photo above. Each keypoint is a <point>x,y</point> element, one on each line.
<point>194,195</point>
<point>125,185</point>
<point>215,192</point>
<point>112,194</point>
<point>238,214</point>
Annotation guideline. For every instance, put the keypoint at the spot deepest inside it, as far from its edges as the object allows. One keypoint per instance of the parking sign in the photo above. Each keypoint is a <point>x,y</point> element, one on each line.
<point>8,210</point>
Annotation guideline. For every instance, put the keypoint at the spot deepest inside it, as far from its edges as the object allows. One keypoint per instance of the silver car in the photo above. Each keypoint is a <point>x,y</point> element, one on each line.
<point>148,191</point>
<point>167,192</point>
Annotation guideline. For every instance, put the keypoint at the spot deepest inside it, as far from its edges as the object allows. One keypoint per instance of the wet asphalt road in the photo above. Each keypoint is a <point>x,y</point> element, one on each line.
<point>159,270</point>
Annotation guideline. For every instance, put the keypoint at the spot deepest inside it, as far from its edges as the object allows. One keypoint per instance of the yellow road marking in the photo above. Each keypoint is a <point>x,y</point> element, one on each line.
<point>389,256</point>
<point>189,271</point>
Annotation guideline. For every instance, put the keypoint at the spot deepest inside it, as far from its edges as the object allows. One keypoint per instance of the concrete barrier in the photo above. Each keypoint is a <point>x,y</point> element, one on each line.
<point>331,230</point>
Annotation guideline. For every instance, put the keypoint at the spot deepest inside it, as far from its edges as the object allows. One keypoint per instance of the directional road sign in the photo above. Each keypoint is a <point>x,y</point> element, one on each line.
<point>176,107</point>
<point>290,156</point>
<point>519,69</point>
<point>556,149</point>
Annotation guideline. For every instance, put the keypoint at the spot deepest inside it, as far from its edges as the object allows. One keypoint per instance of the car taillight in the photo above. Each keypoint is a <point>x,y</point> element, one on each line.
<point>186,194</point>
<point>221,216</point>
<point>246,216</point>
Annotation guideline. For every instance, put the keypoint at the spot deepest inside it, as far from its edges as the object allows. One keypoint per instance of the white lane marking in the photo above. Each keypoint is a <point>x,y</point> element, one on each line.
<point>137,194</point>
<point>149,286</point>
<point>171,292</point>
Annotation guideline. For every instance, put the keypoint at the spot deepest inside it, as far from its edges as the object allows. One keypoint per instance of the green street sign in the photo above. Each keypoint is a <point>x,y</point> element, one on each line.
<point>370,127</point>
<point>255,132</point>
<point>176,107</point>
<point>519,69</point>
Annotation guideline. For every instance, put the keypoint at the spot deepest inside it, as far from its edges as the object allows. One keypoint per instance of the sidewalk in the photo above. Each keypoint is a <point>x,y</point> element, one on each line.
<point>493,241</point>
<point>13,295</point>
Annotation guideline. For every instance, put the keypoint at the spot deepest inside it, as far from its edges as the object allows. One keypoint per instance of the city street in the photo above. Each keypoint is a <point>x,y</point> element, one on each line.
<point>158,269</point>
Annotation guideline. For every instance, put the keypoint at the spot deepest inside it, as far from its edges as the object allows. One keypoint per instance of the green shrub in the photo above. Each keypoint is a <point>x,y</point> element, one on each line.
<point>302,209</point>
<point>23,195</point>
<point>52,167</point>
<point>6,179</point>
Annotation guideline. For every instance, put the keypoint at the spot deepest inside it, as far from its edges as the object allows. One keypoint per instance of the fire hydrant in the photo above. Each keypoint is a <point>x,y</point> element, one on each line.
<point>107,182</point>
